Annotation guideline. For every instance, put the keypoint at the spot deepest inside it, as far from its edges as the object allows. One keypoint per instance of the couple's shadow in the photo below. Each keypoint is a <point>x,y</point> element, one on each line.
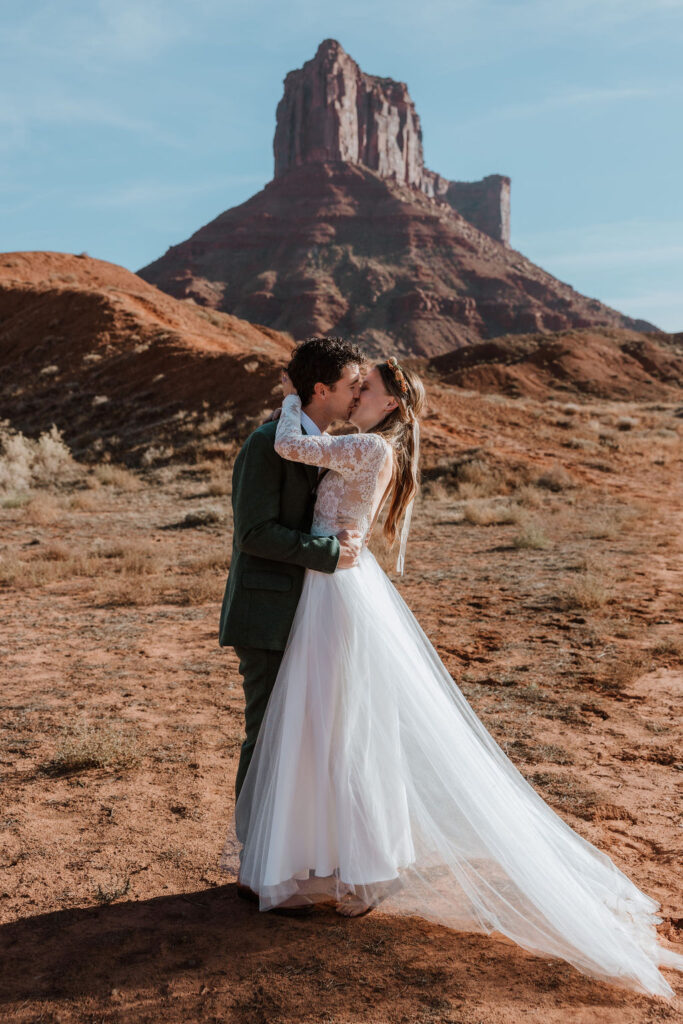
<point>127,946</point>
<point>210,941</point>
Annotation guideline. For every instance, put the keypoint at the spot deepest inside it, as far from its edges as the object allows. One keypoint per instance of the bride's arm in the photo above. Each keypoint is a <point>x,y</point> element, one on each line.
<point>345,452</point>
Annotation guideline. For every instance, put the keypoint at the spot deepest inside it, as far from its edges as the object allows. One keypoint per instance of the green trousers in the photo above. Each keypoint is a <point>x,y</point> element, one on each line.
<point>259,669</point>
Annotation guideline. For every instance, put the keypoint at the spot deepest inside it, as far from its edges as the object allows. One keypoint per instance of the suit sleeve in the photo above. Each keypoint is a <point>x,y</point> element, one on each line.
<point>257,507</point>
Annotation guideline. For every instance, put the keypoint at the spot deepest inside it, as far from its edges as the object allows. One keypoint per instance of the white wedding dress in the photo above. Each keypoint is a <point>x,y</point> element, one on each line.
<point>372,774</point>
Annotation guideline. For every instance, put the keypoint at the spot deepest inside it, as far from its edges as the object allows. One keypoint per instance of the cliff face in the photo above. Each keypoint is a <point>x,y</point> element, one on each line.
<point>334,248</point>
<point>332,111</point>
<point>355,236</point>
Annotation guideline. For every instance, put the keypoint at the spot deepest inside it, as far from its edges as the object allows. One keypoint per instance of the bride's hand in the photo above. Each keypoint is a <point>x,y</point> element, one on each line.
<point>287,386</point>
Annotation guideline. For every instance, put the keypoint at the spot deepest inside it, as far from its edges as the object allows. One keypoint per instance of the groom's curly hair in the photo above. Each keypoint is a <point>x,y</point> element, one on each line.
<point>320,360</point>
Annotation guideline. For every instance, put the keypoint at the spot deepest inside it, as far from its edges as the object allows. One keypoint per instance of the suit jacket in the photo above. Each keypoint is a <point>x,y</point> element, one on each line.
<point>272,502</point>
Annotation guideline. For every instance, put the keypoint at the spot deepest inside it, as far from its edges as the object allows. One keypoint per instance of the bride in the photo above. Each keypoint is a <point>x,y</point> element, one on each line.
<point>372,777</point>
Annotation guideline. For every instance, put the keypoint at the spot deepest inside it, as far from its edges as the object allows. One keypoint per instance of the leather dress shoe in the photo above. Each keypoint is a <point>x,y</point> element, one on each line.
<point>245,893</point>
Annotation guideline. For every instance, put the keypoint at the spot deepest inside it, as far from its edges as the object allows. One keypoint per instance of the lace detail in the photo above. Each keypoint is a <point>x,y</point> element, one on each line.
<point>359,464</point>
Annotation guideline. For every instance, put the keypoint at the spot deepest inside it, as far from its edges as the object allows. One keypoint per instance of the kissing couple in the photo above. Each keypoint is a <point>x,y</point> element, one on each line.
<point>365,775</point>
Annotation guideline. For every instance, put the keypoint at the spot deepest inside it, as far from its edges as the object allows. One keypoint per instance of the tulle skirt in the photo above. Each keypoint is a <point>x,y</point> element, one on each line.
<point>372,775</point>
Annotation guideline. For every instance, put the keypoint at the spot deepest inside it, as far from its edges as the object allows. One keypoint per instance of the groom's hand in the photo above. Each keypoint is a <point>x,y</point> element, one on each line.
<point>350,542</point>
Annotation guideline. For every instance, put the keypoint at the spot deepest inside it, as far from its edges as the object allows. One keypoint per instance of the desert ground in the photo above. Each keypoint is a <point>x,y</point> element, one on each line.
<point>543,563</point>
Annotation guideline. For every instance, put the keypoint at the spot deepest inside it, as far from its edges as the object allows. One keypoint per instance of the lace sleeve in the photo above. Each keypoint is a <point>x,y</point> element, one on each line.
<point>348,454</point>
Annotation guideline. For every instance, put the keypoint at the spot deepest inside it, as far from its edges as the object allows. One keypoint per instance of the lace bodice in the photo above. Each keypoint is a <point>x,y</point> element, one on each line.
<point>359,465</point>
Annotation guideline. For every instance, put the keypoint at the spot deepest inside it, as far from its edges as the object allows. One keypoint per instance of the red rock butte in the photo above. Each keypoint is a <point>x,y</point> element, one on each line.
<point>332,111</point>
<point>355,236</point>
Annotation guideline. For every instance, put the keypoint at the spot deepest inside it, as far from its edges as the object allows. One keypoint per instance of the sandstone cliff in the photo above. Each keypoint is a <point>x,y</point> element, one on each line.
<point>355,236</point>
<point>331,111</point>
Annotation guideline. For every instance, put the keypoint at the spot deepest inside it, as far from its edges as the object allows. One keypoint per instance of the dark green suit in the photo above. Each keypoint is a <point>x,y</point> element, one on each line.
<point>272,502</point>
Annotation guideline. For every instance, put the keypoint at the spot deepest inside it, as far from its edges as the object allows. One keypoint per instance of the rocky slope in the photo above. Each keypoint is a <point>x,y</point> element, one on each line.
<point>335,247</point>
<point>606,363</point>
<point>118,365</point>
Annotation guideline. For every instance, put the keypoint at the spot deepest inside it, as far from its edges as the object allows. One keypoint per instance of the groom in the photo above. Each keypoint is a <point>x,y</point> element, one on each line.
<point>272,501</point>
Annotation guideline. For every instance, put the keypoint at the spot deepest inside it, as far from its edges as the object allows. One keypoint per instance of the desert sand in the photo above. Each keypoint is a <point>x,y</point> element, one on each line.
<point>544,564</point>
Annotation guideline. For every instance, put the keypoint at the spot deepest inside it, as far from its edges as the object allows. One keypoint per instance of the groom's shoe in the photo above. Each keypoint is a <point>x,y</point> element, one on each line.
<point>298,911</point>
<point>245,893</point>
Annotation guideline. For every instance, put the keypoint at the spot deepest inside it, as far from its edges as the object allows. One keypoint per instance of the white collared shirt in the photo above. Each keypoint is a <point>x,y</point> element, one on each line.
<point>309,426</point>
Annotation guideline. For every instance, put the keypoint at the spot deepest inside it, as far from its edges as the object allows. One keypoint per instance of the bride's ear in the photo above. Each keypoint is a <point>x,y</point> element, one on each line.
<point>391,405</point>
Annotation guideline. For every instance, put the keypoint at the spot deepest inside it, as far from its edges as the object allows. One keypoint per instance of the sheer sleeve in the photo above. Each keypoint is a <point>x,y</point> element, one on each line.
<point>348,454</point>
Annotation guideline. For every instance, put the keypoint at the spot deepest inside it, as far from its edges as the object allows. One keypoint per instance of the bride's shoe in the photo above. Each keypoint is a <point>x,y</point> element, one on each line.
<point>353,906</point>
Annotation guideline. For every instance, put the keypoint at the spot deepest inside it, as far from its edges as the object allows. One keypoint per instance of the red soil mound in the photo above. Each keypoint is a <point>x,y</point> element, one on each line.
<point>608,363</point>
<point>105,355</point>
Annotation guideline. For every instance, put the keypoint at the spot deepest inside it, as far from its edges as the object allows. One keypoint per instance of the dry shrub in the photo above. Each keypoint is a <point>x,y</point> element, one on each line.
<point>587,591</point>
<point>603,526</point>
<point>531,537</point>
<point>25,463</point>
<point>568,794</point>
<point>114,889</point>
<point>540,752</point>
<point>216,560</point>
<point>220,482</point>
<point>528,495</point>
<point>15,500</point>
<point>491,514</point>
<point>85,501</point>
<point>126,592</point>
<point>581,443</point>
<point>95,746</point>
<point>139,558</point>
<point>199,590</point>
<point>436,490</point>
<point>555,479</point>
<point>43,509</point>
<point>620,672</point>
<point>56,551</point>
<point>119,477</point>
<point>10,569</point>
<point>668,647</point>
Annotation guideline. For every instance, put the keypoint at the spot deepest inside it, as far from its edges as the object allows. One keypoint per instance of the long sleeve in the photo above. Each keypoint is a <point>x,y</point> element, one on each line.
<point>256,504</point>
<point>348,454</point>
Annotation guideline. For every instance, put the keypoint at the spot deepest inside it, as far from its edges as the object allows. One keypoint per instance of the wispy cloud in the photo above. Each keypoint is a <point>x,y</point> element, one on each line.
<point>53,106</point>
<point>144,193</point>
<point>662,306</point>
<point>629,242</point>
<point>106,31</point>
<point>567,100</point>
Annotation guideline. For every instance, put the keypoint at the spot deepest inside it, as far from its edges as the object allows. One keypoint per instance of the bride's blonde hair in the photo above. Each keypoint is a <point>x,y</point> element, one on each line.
<point>401,430</point>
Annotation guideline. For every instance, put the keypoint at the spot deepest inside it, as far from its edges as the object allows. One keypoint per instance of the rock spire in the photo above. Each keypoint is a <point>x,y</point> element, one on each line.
<point>332,111</point>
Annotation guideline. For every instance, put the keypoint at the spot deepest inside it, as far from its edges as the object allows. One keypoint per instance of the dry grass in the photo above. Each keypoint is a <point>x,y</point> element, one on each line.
<point>531,537</point>
<point>491,513</point>
<point>567,794</point>
<point>556,479</point>
<point>668,647</point>
<point>198,590</point>
<point>114,889</point>
<point>620,672</point>
<point>85,501</point>
<point>43,510</point>
<point>10,569</point>
<point>220,482</point>
<point>86,746</point>
<point>119,477</point>
<point>590,590</point>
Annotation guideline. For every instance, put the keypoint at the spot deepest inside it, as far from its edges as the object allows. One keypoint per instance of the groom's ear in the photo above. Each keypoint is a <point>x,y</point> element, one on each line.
<point>320,389</point>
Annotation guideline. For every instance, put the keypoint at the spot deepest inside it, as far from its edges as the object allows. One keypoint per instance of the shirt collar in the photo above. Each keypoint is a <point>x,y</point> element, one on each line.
<point>309,426</point>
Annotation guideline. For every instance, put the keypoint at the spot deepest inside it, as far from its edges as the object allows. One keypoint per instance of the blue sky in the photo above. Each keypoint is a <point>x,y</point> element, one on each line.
<point>127,124</point>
